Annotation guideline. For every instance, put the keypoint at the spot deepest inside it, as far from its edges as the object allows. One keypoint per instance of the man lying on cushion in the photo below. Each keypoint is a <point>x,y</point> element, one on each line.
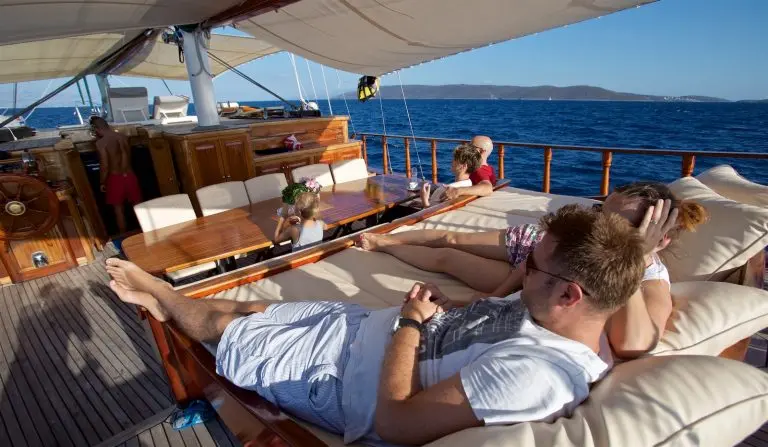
<point>412,374</point>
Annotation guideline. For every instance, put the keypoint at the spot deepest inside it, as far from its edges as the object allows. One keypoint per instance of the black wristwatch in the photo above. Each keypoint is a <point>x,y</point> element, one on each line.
<point>407,322</point>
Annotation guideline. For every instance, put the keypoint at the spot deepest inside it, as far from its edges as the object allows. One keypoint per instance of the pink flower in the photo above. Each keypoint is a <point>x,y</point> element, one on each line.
<point>312,184</point>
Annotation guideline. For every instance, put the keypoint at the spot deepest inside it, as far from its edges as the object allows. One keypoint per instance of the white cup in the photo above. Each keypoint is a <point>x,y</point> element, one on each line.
<point>413,185</point>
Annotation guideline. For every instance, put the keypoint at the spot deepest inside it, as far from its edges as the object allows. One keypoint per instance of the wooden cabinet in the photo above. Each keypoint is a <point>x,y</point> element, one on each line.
<point>208,158</point>
<point>287,162</point>
<point>18,256</point>
<point>311,132</point>
<point>162,160</point>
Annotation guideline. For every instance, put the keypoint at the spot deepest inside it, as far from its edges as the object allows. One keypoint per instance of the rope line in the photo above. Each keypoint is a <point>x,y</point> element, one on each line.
<point>410,124</point>
<point>296,73</point>
<point>166,86</point>
<point>311,81</point>
<point>344,95</point>
<point>44,93</point>
<point>384,125</point>
<point>327,95</point>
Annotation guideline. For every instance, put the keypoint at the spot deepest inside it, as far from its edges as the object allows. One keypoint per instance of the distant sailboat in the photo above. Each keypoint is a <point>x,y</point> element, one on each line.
<point>550,98</point>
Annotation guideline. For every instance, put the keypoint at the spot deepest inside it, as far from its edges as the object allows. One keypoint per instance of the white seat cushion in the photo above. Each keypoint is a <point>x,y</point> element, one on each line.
<point>708,317</point>
<point>734,233</point>
<point>349,170</point>
<point>527,203</point>
<point>265,187</point>
<point>659,401</point>
<point>164,211</point>
<point>187,272</point>
<point>221,197</point>
<point>319,171</point>
<point>725,181</point>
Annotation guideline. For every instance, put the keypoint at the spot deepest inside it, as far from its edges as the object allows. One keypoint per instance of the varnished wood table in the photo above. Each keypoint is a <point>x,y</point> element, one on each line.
<point>252,228</point>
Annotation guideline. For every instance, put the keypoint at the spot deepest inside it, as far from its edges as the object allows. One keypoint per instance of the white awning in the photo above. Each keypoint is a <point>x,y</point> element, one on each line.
<point>33,20</point>
<point>68,56</point>
<point>163,59</point>
<point>374,37</point>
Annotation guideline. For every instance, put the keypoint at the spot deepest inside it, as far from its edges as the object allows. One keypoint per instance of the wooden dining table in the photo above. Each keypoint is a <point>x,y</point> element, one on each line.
<point>251,228</point>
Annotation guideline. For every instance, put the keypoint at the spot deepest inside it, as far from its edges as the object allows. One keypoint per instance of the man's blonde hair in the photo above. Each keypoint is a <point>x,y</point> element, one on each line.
<point>601,252</point>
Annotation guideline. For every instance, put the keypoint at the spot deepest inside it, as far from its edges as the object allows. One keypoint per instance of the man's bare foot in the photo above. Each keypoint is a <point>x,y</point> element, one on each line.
<point>374,242</point>
<point>142,299</point>
<point>130,277</point>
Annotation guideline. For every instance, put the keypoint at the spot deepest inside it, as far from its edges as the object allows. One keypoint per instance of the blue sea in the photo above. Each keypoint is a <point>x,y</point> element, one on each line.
<point>735,127</point>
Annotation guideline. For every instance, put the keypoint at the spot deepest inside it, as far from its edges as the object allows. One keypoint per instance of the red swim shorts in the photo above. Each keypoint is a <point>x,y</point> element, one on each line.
<point>122,188</point>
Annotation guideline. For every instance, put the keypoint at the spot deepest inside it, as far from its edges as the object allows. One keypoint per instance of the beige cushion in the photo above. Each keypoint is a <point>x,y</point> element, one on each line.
<point>221,197</point>
<point>659,401</point>
<point>725,181</point>
<point>470,219</point>
<point>164,211</point>
<point>349,170</point>
<point>734,233</point>
<point>265,187</point>
<point>320,172</point>
<point>527,203</point>
<point>711,316</point>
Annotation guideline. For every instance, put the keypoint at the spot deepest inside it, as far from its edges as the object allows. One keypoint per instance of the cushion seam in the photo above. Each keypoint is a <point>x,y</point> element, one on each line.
<point>730,329</point>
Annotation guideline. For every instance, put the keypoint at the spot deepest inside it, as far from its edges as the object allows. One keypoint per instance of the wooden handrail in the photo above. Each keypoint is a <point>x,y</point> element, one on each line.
<point>364,148</point>
<point>688,157</point>
<point>606,181</point>
<point>547,169</point>
<point>434,161</point>
<point>407,144</point>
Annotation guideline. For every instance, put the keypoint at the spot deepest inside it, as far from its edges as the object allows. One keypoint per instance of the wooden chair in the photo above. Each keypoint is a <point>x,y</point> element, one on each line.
<point>319,171</point>
<point>349,170</point>
<point>222,197</point>
<point>265,187</point>
<point>166,211</point>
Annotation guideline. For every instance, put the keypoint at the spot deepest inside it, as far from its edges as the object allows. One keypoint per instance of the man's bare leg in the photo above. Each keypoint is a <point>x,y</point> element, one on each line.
<point>481,274</point>
<point>202,320</point>
<point>120,218</point>
<point>487,244</point>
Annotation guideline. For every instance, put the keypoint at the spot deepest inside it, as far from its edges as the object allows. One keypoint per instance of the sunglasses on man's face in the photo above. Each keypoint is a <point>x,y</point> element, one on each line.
<point>530,265</point>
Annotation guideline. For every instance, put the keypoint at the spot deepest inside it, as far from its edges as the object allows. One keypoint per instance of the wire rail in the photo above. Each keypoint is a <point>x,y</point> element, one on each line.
<point>688,157</point>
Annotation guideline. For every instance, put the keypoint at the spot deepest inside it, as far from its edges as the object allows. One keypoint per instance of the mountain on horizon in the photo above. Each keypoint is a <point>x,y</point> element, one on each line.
<point>541,92</point>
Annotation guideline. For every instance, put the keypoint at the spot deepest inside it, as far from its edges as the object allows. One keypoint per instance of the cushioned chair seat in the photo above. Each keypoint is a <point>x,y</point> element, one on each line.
<point>725,181</point>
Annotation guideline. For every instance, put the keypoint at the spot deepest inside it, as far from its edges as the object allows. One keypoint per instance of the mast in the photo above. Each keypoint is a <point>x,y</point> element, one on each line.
<point>200,78</point>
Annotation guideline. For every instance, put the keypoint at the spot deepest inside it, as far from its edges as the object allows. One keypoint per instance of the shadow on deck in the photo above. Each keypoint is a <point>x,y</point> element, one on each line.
<point>80,369</point>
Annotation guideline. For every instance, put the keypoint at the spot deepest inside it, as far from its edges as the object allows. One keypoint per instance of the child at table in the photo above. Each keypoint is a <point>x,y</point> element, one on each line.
<point>303,228</point>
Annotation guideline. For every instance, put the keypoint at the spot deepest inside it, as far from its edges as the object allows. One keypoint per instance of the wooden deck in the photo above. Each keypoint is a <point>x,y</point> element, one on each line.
<point>79,369</point>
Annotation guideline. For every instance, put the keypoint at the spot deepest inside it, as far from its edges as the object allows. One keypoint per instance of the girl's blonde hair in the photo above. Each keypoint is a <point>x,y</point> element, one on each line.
<point>307,205</point>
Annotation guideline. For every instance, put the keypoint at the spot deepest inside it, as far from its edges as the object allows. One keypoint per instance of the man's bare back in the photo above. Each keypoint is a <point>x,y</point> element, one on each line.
<point>114,153</point>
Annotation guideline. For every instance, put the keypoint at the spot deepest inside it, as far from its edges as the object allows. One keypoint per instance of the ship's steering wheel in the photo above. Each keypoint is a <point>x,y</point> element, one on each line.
<point>28,207</point>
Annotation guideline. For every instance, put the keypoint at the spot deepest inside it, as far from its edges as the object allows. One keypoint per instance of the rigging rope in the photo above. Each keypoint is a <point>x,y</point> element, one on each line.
<point>311,80</point>
<point>384,125</point>
<point>296,73</point>
<point>410,124</point>
<point>88,91</point>
<point>44,92</point>
<point>166,86</point>
<point>344,95</point>
<point>80,90</point>
<point>327,96</point>
<point>249,79</point>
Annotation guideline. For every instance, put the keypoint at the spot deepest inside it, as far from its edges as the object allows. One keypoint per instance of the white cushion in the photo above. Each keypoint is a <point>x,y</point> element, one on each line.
<point>265,187</point>
<point>725,181</point>
<point>527,203</point>
<point>349,170</point>
<point>659,401</point>
<point>319,171</point>
<point>708,317</point>
<point>734,233</point>
<point>187,272</point>
<point>470,219</point>
<point>164,211</point>
<point>221,197</point>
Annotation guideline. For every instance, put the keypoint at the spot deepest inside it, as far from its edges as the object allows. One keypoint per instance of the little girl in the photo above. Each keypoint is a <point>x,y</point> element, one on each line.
<point>303,229</point>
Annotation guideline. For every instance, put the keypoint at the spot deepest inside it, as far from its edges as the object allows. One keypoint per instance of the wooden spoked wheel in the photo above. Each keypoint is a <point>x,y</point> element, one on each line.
<point>28,207</point>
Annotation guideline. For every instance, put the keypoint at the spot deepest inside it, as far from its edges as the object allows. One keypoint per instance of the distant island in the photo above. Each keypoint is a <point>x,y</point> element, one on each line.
<point>541,93</point>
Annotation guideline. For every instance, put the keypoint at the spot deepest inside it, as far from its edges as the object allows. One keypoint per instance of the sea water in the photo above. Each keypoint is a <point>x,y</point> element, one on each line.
<point>728,127</point>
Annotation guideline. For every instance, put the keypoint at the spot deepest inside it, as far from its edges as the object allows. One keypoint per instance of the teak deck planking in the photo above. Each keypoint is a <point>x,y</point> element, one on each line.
<point>78,368</point>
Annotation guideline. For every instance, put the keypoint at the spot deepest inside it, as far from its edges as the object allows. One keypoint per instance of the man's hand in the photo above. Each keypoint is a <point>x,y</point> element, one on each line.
<point>423,302</point>
<point>657,222</point>
<point>451,193</point>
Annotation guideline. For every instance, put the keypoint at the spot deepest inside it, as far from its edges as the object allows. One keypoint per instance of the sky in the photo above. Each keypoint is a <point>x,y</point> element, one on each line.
<point>672,47</point>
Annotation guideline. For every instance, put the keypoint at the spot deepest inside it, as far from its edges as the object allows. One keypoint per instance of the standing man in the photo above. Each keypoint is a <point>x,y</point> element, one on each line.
<point>483,178</point>
<point>117,179</point>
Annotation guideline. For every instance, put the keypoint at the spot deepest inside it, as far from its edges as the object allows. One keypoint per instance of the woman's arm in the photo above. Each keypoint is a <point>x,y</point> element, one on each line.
<point>637,327</point>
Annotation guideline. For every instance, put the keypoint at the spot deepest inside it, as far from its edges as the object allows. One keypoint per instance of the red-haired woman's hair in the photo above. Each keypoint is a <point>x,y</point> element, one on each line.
<point>690,215</point>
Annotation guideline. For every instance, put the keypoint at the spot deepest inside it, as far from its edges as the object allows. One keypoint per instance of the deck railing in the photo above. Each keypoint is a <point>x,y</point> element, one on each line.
<point>688,157</point>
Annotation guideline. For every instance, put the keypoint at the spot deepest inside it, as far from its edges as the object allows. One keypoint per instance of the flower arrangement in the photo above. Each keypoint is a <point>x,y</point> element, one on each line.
<point>292,191</point>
